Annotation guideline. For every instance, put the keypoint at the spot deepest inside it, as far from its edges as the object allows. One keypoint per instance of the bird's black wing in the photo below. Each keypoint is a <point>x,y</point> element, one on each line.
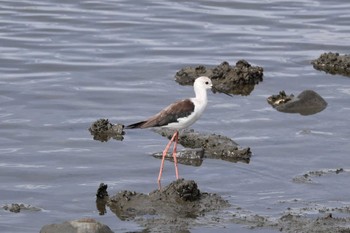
<point>170,114</point>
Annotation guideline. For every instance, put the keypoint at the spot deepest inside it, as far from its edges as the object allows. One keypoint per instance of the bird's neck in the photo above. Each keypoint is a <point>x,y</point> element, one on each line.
<point>201,94</point>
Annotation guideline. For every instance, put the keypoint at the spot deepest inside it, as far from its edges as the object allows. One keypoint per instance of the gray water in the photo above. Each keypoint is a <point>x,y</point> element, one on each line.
<point>64,65</point>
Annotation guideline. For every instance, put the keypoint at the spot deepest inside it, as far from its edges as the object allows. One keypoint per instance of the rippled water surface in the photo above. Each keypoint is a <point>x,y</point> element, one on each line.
<point>65,64</point>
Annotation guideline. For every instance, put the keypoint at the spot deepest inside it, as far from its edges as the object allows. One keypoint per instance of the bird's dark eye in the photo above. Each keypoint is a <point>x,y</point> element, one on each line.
<point>207,83</point>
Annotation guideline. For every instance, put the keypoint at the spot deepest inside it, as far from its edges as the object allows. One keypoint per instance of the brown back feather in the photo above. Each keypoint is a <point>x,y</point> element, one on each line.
<point>170,114</point>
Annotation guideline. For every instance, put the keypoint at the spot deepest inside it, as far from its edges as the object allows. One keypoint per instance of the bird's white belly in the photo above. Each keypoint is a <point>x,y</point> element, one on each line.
<point>182,122</point>
<point>185,122</point>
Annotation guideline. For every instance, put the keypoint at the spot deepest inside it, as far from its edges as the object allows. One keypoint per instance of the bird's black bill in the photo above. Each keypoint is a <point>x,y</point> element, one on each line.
<point>214,90</point>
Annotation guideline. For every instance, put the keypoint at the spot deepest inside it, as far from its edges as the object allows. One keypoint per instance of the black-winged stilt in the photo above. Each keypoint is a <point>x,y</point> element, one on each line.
<point>179,115</point>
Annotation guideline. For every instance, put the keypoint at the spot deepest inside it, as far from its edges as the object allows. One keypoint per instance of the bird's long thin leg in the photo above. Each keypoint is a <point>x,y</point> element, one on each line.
<point>174,153</point>
<point>165,151</point>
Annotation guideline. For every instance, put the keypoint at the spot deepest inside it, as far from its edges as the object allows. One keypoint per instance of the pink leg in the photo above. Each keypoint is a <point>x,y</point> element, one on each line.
<point>174,154</point>
<point>165,151</point>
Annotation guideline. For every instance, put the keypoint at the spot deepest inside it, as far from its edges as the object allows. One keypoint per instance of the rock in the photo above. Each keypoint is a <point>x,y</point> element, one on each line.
<point>16,208</point>
<point>279,99</point>
<point>333,63</point>
<point>192,157</point>
<point>170,209</point>
<point>309,177</point>
<point>102,198</point>
<point>187,75</point>
<point>308,102</point>
<point>214,146</point>
<point>102,191</point>
<point>238,80</point>
<point>85,225</point>
<point>103,130</point>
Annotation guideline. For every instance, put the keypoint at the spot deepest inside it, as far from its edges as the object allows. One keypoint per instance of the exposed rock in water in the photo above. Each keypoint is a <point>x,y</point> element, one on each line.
<point>172,208</point>
<point>214,146</point>
<point>192,157</point>
<point>238,80</point>
<point>102,191</point>
<point>103,130</point>
<point>308,102</point>
<point>101,198</point>
<point>16,208</point>
<point>333,63</point>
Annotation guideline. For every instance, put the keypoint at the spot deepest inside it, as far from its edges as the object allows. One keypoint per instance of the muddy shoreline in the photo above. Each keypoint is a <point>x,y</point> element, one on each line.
<point>181,206</point>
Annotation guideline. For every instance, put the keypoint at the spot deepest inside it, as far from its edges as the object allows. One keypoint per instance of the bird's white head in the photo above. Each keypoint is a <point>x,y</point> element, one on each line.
<point>200,86</point>
<point>203,82</point>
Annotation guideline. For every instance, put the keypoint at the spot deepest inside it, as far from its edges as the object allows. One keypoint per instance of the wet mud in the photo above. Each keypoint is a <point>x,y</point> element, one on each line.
<point>310,177</point>
<point>214,146</point>
<point>84,225</point>
<point>308,102</point>
<point>238,80</point>
<point>333,63</point>
<point>181,206</point>
<point>298,220</point>
<point>102,130</point>
<point>173,208</point>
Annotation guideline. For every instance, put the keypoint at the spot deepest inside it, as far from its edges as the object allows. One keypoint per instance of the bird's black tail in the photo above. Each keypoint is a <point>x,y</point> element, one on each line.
<point>135,125</point>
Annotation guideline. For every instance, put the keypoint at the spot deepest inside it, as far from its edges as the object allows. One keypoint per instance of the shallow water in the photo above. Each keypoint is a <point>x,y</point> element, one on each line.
<point>65,65</point>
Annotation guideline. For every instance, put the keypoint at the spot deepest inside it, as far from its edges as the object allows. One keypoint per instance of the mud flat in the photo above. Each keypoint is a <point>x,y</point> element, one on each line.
<point>84,225</point>
<point>173,208</point>
<point>297,220</point>
<point>333,63</point>
<point>181,206</point>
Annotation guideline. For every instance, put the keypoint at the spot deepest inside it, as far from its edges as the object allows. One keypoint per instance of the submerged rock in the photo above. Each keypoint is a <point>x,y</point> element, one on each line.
<point>16,208</point>
<point>297,220</point>
<point>103,130</point>
<point>310,176</point>
<point>238,80</point>
<point>333,63</point>
<point>291,222</point>
<point>214,146</point>
<point>85,225</point>
<point>308,102</point>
